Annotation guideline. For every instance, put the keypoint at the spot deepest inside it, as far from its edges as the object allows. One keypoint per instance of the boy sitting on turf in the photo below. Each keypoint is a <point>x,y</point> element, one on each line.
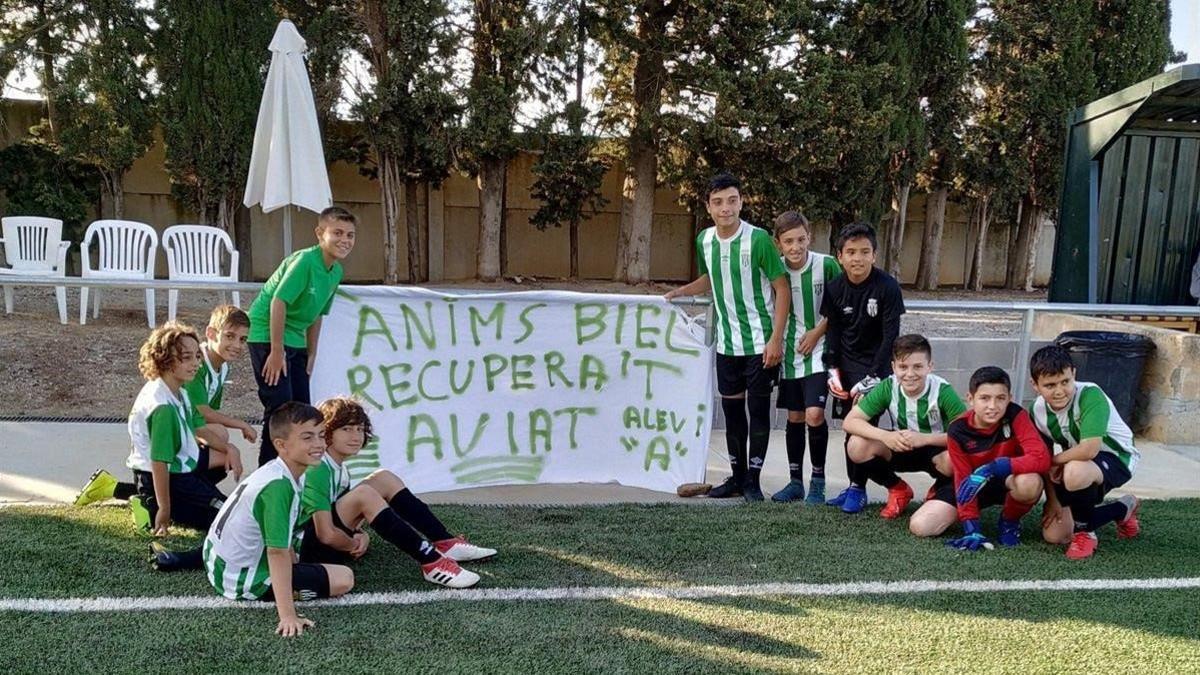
<point>249,551</point>
<point>997,455</point>
<point>922,406</point>
<point>1097,455</point>
<point>169,466</point>
<point>333,511</point>
<point>803,384</point>
<point>225,343</point>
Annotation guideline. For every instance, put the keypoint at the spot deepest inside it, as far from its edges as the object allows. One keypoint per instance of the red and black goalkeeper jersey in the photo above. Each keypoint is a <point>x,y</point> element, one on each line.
<point>1014,436</point>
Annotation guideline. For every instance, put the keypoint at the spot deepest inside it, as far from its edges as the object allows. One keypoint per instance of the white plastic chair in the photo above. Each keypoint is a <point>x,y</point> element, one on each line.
<point>125,250</point>
<point>194,254</point>
<point>33,246</point>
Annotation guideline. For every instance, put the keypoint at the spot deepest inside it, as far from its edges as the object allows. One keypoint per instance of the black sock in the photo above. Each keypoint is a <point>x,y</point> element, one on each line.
<point>818,444</point>
<point>1083,506</point>
<point>795,449</point>
<point>760,433</point>
<point>880,471</point>
<point>736,431</point>
<point>124,491</point>
<point>410,507</point>
<point>183,560</point>
<point>854,471</point>
<point>399,534</point>
<point>1105,514</point>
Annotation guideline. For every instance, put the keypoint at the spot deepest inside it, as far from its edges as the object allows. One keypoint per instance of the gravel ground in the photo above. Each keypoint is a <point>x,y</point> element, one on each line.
<point>47,369</point>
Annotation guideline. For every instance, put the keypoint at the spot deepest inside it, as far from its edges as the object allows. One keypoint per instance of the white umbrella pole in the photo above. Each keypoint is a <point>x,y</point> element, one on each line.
<point>287,230</point>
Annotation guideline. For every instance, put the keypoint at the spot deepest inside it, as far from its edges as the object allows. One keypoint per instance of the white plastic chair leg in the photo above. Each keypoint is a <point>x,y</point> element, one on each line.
<point>172,303</point>
<point>150,307</point>
<point>8,299</point>
<point>96,303</point>
<point>237,299</point>
<point>60,294</point>
<point>83,305</point>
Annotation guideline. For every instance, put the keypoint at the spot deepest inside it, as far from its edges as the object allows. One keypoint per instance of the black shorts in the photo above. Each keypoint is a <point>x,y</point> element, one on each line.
<point>803,393</point>
<point>194,499</point>
<point>313,550</point>
<point>744,374</point>
<point>917,460</point>
<point>1112,469</point>
<point>309,582</point>
<point>994,492</point>
<point>842,407</point>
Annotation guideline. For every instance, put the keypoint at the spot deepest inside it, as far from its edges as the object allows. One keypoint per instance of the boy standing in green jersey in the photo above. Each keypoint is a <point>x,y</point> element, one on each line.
<point>250,551</point>
<point>285,319</point>
<point>922,406</point>
<point>803,383</point>
<point>1096,455</point>
<point>739,263</point>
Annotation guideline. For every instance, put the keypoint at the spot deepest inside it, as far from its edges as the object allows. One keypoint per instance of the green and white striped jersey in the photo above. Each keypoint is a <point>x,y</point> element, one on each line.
<point>160,429</point>
<point>740,270</point>
<point>808,288</point>
<point>263,512</point>
<point>208,386</point>
<point>930,412</point>
<point>1090,414</point>
<point>323,485</point>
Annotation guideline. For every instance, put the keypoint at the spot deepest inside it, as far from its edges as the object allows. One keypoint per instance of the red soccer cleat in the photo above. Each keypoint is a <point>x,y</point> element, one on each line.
<point>1129,527</point>
<point>899,495</point>
<point>1083,545</point>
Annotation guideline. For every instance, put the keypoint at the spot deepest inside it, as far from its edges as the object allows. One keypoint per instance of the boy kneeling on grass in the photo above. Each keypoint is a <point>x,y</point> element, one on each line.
<point>997,455</point>
<point>1097,455</point>
<point>333,512</point>
<point>249,552</point>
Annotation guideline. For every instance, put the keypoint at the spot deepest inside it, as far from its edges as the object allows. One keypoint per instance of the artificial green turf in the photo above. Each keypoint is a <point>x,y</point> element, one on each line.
<point>65,552</point>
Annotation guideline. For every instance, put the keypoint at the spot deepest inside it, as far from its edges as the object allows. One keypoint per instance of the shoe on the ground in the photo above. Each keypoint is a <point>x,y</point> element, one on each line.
<point>816,492</point>
<point>752,492</point>
<point>141,514</point>
<point>446,572</point>
<point>1083,545</point>
<point>163,559</point>
<point>459,549</point>
<point>855,500</point>
<point>792,492</point>
<point>1129,527</point>
<point>730,488</point>
<point>102,485</point>
<point>693,489</point>
<point>1010,532</point>
<point>839,499</point>
<point>899,495</point>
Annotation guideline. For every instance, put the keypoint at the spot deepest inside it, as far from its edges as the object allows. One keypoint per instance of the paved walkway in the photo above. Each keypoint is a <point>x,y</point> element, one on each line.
<point>47,462</point>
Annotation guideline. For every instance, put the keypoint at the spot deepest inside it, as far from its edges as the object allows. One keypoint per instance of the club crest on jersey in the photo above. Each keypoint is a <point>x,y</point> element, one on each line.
<point>745,258</point>
<point>818,288</point>
<point>872,307</point>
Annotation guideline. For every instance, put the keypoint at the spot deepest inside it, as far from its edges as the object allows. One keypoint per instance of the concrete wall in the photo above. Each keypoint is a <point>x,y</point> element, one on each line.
<point>1168,397</point>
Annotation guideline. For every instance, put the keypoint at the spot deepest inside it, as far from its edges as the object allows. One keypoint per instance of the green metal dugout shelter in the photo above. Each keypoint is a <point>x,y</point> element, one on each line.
<point>1129,221</point>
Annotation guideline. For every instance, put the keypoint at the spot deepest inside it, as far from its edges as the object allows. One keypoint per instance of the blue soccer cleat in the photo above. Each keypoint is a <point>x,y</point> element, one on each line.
<point>839,499</point>
<point>816,492</point>
<point>792,492</point>
<point>855,501</point>
<point>1010,532</point>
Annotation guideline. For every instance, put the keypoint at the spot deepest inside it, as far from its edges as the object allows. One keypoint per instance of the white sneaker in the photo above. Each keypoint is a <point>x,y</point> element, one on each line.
<point>446,572</point>
<point>461,550</point>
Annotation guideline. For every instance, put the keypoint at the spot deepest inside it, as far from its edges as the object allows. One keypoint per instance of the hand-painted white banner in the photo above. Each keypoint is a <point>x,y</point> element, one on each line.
<point>536,387</point>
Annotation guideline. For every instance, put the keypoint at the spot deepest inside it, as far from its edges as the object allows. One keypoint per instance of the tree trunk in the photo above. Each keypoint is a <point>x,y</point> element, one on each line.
<point>49,80</point>
<point>982,215</point>
<point>1038,216</point>
<point>1023,249</point>
<point>244,242</point>
<point>418,244</point>
<point>389,192</point>
<point>226,207</point>
<point>641,171</point>
<point>896,233</point>
<point>574,236</point>
<point>491,210</point>
<point>929,270</point>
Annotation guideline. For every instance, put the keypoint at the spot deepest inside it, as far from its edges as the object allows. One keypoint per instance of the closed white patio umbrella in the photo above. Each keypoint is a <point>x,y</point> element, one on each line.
<point>287,165</point>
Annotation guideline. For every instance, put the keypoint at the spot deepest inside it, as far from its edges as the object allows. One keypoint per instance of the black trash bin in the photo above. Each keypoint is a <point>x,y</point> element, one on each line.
<point>1115,361</point>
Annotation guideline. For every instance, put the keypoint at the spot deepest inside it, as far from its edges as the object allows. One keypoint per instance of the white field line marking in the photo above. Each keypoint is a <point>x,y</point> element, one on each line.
<point>576,593</point>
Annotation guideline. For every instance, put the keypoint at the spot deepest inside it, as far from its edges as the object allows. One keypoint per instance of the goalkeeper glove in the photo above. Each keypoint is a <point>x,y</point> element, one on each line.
<point>970,487</point>
<point>972,540</point>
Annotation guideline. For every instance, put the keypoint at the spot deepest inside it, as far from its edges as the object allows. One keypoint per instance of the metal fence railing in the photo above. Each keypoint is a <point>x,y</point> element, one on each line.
<point>1027,310</point>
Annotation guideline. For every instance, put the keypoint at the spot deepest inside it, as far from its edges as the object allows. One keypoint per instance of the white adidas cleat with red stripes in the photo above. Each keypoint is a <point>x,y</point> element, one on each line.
<point>462,550</point>
<point>446,572</point>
